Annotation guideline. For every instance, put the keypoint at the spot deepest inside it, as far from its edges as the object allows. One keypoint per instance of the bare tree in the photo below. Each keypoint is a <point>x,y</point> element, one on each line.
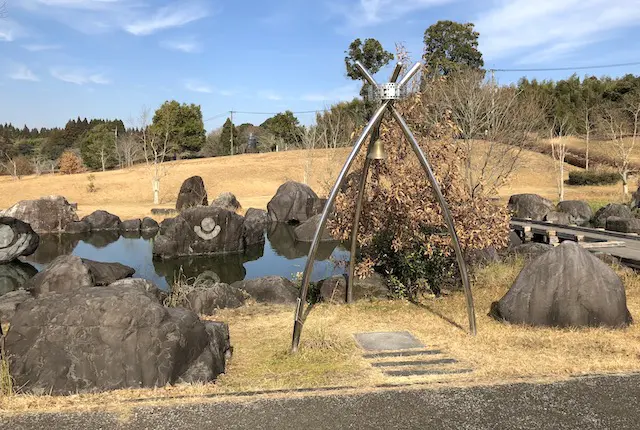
<point>559,151</point>
<point>587,112</point>
<point>155,146</point>
<point>493,126</point>
<point>130,149</point>
<point>309,140</point>
<point>615,123</point>
<point>9,165</point>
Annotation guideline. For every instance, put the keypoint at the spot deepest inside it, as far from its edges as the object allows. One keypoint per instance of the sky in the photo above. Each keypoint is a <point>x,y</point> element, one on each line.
<point>60,59</point>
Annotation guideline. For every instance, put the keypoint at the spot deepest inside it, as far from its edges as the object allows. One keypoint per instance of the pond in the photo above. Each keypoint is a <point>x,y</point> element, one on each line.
<point>280,255</point>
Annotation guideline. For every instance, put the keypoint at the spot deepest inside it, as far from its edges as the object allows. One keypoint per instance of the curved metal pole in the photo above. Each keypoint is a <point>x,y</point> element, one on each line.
<point>354,232</point>
<point>447,217</point>
<point>308,268</point>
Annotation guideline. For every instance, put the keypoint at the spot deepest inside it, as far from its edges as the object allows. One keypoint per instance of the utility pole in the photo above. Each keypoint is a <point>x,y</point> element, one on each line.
<point>231,114</point>
<point>115,142</point>
<point>493,99</point>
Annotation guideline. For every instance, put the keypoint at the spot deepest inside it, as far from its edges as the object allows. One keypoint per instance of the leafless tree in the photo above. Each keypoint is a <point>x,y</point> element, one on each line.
<point>615,123</point>
<point>587,112</point>
<point>493,126</point>
<point>9,164</point>
<point>559,151</point>
<point>155,146</point>
<point>130,149</point>
<point>309,140</point>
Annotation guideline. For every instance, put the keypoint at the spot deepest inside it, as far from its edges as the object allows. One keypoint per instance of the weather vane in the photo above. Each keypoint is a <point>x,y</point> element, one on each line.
<point>387,94</point>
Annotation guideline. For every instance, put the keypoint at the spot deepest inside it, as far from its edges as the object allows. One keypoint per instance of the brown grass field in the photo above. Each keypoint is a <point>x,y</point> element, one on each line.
<point>253,178</point>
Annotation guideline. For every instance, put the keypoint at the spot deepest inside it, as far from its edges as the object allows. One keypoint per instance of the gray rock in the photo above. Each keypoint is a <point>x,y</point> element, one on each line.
<point>623,225</point>
<point>65,274</point>
<point>107,273</point>
<point>530,250</point>
<point>78,227</point>
<point>102,220</point>
<point>482,257</point>
<point>269,289</point>
<point>580,213</point>
<point>192,193</point>
<point>17,239</point>
<point>206,299</point>
<point>142,285</point>
<point>610,210</point>
<point>565,287</point>
<point>257,217</point>
<point>45,215</point>
<point>293,203</point>
<point>306,231</point>
<point>204,231</point>
<point>514,239</point>
<point>206,278</point>
<point>227,201</point>
<point>530,206</point>
<point>131,225</point>
<point>14,275</point>
<point>559,218</point>
<point>334,289</point>
<point>9,303</point>
<point>99,339</point>
<point>149,224</point>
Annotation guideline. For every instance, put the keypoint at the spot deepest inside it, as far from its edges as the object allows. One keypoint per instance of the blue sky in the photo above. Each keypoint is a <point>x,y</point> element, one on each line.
<point>108,58</point>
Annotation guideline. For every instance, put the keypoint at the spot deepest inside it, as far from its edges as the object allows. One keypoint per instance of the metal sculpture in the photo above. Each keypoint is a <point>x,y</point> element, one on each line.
<point>387,93</point>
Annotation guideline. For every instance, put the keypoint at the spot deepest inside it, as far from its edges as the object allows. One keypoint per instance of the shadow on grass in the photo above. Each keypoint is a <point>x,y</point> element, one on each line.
<point>438,314</point>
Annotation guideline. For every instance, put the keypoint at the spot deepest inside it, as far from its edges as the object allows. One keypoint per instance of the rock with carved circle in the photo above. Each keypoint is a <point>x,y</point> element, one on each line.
<point>17,238</point>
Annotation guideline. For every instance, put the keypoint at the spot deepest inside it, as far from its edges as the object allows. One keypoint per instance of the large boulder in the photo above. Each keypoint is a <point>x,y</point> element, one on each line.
<point>17,238</point>
<point>623,225</point>
<point>131,225</point>
<point>45,215</point>
<point>269,289</point>
<point>65,274</point>
<point>78,227</point>
<point>107,273</point>
<point>9,303</point>
<point>294,203</point>
<point>334,289</point>
<point>192,193</point>
<point>530,206</point>
<point>559,218</point>
<point>307,230</point>
<point>205,230</point>
<point>14,275</point>
<point>100,339</point>
<point>143,285</point>
<point>206,299</point>
<point>565,287</point>
<point>102,220</point>
<point>257,217</point>
<point>149,225</point>
<point>610,210</point>
<point>227,201</point>
<point>580,213</point>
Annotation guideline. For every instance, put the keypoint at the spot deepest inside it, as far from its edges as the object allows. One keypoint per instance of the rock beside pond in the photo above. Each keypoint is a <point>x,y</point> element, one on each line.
<point>9,303</point>
<point>107,273</point>
<point>142,285</point>
<point>99,339</point>
<point>580,213</point>
<point>257,217</point>
<point>227,201</point>
<point>269,289</point>
<point>565,287</point>
<point>14,275</point>
<point>334,289</point>
<point>207,299</point>
<point>45,215</point>
<point>530,206</point>
<point>64,274</point>
<point>149,225</point>
<point>623,225</point>
<point>192,193</point>
<point>559,218</point>
<point>293,203</point>
<point>306,231</point>
<point>78,227</point>
<point>102,220</point>
<point>131,225</point>
<point>17,238</point>
<point>203,231</point>
<point>610,210</point>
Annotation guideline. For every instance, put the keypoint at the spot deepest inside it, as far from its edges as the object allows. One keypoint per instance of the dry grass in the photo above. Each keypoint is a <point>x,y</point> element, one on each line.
<point>603,149</point>
<point>329,357</point>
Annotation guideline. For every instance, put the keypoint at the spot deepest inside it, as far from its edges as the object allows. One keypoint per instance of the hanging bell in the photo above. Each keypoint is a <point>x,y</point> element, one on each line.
<point>376,151</point>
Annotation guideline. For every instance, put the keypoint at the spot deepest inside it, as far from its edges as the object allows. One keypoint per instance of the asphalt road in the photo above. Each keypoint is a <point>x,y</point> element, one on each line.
<point>611,402</point>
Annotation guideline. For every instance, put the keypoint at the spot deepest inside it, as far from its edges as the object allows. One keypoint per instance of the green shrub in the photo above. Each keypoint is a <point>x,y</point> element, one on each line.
<point>593,177</point>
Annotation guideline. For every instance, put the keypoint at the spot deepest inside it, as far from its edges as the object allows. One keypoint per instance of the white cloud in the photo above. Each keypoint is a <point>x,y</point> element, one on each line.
<point>39,48</point>
<point>269,95</point>
<point>198,87</point>
<point>175,15</point>
<point>10,30</point>
<point>188,46</point>
<point>344,93</point>
<point>543,30</point>
<point>23,73</point>
<point>364,13</point>
<point>79,76</point>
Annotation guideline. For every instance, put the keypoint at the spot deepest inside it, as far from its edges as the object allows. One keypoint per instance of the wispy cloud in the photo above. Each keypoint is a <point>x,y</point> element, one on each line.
<point>269,95</point>
<point>198,87</point>
<point>39,48</point>
<point>188,46</point>
<point>175,15</point>
<point>79,76</point>
<point>22,73</point>
<point>10,30</point>
<point>543,30</point>
<point>343,93</point>
<point>364,13</point>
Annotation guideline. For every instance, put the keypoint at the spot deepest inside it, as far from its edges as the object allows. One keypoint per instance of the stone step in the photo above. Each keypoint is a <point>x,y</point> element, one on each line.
<point>425,372</point>
<point>406,353</point>
<point>414,363</point>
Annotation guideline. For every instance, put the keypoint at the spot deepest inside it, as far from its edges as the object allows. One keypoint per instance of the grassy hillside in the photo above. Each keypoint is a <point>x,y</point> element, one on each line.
<point>253,178</point>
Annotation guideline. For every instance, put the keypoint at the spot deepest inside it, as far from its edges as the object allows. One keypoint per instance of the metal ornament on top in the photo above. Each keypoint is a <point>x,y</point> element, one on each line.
<point>387,94</point>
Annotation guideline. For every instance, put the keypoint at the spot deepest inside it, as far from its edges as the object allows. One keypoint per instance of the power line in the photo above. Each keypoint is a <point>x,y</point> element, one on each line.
<point>555,69</point>
<point>231,112</point>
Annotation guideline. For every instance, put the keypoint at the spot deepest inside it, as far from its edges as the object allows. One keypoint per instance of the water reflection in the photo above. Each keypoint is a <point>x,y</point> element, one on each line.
<point>279,255</point>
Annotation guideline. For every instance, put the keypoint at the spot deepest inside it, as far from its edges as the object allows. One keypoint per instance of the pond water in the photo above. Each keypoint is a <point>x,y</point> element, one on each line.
<point>280,255</point>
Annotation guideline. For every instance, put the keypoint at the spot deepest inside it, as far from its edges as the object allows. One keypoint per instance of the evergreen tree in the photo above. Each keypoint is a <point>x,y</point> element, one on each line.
<point>224,143</point>
<point>450,46</point>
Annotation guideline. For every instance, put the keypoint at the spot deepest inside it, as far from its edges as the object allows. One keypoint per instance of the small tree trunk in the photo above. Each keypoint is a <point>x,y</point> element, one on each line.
<point>562,177</point>
<point>156,191</point>
<point>625,183</point>
<point>102,159</point>
<point>587,151</point>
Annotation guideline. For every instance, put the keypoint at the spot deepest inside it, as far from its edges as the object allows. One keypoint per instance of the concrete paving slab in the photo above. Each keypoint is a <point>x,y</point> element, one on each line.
<point>415,363</point>
<point>387,341</point>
